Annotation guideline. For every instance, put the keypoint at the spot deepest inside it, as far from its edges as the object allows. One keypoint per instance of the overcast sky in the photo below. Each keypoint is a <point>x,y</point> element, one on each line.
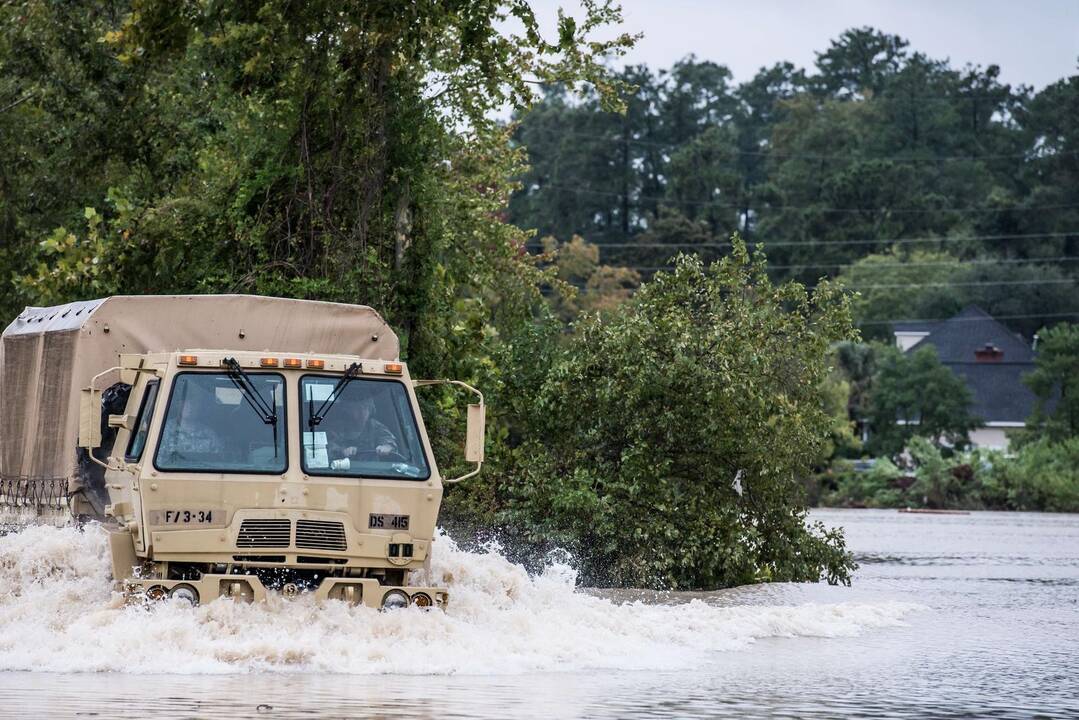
<point>1035,42</point>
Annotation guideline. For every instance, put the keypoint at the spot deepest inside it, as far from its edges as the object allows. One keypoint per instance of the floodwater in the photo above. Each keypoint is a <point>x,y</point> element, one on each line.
<point>950,616</point>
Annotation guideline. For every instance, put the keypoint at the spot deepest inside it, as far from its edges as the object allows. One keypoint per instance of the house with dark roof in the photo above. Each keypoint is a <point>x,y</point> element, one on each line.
<point>990,358</point>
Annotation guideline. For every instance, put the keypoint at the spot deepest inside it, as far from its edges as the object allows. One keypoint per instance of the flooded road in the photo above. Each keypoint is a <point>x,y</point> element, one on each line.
<point>957,615</point>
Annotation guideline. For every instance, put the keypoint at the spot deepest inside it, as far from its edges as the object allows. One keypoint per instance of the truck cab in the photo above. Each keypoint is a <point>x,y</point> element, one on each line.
<point>235,472</point>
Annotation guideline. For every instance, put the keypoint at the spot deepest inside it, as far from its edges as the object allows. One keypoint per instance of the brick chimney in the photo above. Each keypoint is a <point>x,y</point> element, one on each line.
<point>989,354</point>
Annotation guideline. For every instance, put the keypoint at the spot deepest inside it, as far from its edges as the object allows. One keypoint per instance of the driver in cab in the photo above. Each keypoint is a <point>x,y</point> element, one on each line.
<point>360,435</point>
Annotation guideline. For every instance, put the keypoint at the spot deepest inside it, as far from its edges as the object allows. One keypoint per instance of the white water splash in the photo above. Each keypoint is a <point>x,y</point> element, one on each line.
<point>58,614</point>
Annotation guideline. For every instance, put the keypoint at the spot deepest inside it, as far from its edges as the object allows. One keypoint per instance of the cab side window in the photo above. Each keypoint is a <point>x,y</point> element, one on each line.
<point>142,424</point>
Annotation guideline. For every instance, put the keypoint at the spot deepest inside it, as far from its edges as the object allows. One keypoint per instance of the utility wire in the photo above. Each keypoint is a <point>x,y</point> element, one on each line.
<point>973,283</point>
<point>845,266</point>
<point>762,207</point>
<point>972,319</point>
<point>893,286</point>
<point>670,146</point>
<point>815,243</point>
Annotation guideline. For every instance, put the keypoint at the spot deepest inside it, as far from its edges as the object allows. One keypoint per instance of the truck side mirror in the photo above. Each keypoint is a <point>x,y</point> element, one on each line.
<point>474,427</point>
<point>90,418</point>
<point>474,433</point>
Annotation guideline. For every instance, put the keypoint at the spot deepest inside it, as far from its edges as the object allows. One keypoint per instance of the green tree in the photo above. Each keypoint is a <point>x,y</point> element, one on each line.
<point>1055,381</point>
<point>705,183</point>
<point>855,362</point>
<point>914,394</point>
<point>698,95</point>
<point>925,284</point>
<point>897,285</point>
<point>836,395</point>
<point>1043,476</point>
<point>861,61</point>
<point>939,483</point>
<point>592,172</point>
<point>1052,175</point>
<point>307,150</point>
<point>708,380</point>
<point>585,284</point>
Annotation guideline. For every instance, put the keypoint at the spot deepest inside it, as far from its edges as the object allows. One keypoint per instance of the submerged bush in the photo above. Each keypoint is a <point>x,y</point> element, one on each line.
<point>1043,475</point>
<point>875,487</point>
<point>669,438</point>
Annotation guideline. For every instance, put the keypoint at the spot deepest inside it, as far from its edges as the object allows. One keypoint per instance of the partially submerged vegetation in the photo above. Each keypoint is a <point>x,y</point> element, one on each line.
<point>664,440</point>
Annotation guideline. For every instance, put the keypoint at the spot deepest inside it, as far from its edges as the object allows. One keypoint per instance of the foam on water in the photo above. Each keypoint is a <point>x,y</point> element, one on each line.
<point>58,613</point>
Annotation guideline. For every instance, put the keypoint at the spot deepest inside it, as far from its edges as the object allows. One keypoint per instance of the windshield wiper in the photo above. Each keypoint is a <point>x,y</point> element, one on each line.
<point>267,412</point>
<point>315,417</point>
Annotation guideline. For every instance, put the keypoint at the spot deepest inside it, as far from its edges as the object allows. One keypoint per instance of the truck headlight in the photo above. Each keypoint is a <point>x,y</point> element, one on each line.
<point>394,600</point>
<point>186,593</point>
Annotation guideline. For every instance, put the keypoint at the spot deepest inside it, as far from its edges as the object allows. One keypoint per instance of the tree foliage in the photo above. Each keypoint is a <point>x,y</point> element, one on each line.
<point>879,152</point>
<point>1055,381</point>
<point>312,150</point>
<point>1041,476</point>
<point>914,394</point>
<point>708,380</point>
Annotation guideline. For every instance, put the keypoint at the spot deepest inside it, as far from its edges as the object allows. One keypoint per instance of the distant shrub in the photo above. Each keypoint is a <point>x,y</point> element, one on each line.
<point>875,487</point>
<point>1040,476</point>
<point>1043,475</point>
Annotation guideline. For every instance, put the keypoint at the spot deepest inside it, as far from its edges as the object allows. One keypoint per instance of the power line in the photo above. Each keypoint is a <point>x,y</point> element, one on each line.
<point>844,266</point>
<point>808,243</point>
<point>765,207</point>
<point>548,292</point>
<point>670,146</point>
<point>894,286</point>
<point>974,283</point>
<point>972,319</point>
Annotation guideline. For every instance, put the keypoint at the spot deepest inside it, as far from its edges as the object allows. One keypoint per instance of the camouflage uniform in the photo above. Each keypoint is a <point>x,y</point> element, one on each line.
<point>365,439</point>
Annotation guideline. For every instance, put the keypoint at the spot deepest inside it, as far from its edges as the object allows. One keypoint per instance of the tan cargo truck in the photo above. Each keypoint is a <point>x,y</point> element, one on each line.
<point>231,444</point>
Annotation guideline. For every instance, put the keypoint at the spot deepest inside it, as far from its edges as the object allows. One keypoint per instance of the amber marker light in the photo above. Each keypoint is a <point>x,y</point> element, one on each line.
<point>188,360</point>
<point>268,362</point>
<point>393,368</point>
<point>316,364</point>
<point>293,363</point>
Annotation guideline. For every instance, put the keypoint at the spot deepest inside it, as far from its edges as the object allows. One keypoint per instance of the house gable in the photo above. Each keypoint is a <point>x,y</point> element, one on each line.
<point>958,339</point>
<point>990,358</point>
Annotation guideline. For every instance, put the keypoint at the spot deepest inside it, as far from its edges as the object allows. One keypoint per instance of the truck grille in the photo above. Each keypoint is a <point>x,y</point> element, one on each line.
<point>264,533</point>
<point>320,535</point>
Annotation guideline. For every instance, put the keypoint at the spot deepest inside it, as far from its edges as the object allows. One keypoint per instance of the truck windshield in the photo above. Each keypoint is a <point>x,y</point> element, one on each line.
<point>368,431</point>
<point>209,426</point>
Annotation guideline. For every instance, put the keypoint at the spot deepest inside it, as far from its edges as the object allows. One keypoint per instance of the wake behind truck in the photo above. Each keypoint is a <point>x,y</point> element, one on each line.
<point>230,444</point>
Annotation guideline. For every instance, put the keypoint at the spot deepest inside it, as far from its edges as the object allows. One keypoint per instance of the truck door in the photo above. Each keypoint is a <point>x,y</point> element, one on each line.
<point>136,447</point>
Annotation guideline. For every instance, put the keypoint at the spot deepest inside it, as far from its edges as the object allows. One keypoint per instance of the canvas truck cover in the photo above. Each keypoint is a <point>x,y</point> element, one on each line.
<point>48,355</point>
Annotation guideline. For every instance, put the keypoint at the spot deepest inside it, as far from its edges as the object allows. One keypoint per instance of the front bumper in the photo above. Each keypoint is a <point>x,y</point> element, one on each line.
<point>248,588</point>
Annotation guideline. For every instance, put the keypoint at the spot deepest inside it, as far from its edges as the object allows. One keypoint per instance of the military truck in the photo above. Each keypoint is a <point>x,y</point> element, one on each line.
<point>230,444</point>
